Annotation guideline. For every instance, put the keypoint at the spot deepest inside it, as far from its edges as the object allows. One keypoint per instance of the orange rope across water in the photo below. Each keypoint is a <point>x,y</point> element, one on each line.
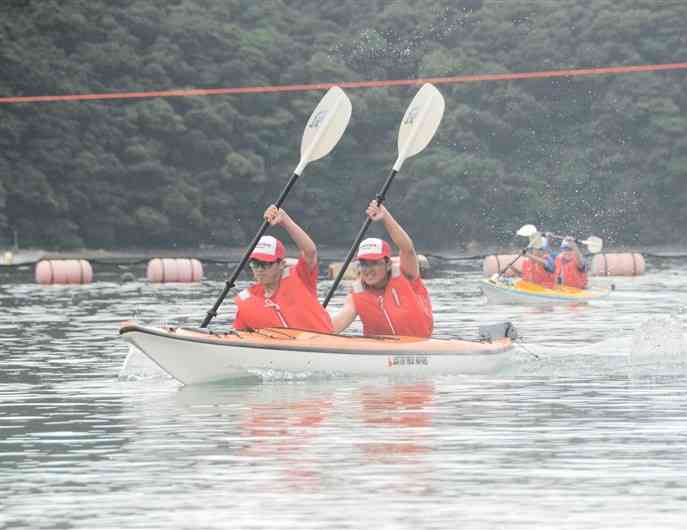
<point>354,84</point>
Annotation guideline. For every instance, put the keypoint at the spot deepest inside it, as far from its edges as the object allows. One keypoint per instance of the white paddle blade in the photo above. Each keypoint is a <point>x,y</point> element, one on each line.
<point>527,230</point>
<point>325,127</point>
<point>594,244</point>
<point>420,122</point>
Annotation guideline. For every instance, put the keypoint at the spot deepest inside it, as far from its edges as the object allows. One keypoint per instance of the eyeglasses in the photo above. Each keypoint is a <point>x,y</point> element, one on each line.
<point>368,264</point>
<point>257,264</point>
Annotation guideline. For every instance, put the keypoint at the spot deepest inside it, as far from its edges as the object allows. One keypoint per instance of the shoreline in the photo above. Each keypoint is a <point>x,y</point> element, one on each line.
<point>16,257</point>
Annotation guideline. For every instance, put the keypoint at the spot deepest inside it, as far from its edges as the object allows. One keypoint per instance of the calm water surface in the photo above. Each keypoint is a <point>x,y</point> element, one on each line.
<point>586,428</point>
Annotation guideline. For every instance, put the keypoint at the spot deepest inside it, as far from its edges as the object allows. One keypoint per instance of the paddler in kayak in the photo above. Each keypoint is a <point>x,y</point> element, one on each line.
<point>571,267</point>
<point>539,265</point>
<point>389,297</point>
<point>282,295</point>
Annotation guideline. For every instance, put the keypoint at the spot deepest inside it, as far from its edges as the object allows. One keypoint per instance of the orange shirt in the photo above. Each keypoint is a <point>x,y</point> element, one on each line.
<point>293,305</point>
<point>569,271</point>
<point>535,272</point>
<point>403,307</point>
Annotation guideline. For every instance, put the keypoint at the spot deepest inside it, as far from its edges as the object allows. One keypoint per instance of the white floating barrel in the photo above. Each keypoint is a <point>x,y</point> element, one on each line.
<point>352,270</point>
<point>627,264</point>
<point>174,270</point>
<point>497,263</point>
<point>63,271</point>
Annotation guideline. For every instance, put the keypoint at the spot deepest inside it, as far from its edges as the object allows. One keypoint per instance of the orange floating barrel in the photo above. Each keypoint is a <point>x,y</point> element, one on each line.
<point>626,264</point>
<point>174,270</point>
<point>497,263</point>
<point>63,271</point>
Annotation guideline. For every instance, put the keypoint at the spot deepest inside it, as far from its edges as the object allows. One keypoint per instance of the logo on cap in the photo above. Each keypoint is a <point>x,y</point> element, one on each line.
<point>268,249</point>
<point>373,248</point>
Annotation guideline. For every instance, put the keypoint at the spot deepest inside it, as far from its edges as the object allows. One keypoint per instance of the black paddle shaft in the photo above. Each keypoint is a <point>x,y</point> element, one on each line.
<point>511,263</point>
<point>380,199</point>
<point>212,313</point>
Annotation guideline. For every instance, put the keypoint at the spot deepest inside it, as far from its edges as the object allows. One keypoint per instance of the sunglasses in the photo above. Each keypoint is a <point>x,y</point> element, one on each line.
<point>257,264</point>
<point>368,264</point>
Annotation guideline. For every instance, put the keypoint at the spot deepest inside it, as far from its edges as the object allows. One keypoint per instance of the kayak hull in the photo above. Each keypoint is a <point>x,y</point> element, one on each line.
<point>518,291</point>
<point>194,356</point>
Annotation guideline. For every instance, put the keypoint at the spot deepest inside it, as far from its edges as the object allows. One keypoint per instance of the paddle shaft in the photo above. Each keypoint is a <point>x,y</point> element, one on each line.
<point>510,264</point>
<point>212,313</point>
<point>556,236</point>
<point>380,199</point>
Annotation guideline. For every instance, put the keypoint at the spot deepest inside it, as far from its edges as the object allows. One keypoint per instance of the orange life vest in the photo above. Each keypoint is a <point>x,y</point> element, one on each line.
<point>293,305</point>
<point>403,307</point>
<point>570,272</point>
<point>535,272</point>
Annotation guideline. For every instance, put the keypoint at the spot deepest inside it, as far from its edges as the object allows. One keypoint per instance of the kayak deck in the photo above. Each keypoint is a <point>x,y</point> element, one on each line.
<point>290,339</point>
<point>198,355</point>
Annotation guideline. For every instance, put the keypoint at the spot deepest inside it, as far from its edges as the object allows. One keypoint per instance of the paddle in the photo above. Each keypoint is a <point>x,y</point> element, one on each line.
<point>418,126</point>
<point>530,232</point>
<point>594,244</point>
<point>527,231</point>
<point>325,127</point>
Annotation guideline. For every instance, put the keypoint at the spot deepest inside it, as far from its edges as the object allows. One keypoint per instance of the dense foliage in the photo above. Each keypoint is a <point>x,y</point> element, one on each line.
<point>602,154</point>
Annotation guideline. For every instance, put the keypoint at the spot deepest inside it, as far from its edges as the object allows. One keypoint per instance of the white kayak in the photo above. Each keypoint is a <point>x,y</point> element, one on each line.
<point>193,355</point>
<point>499,290</point>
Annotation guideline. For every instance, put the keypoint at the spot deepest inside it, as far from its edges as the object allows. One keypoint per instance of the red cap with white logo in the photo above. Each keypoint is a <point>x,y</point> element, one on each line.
<point>268,249</point>
<point>374,248</point>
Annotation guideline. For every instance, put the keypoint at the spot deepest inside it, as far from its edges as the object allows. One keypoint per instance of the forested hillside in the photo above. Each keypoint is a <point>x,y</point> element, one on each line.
<point>604,154</point>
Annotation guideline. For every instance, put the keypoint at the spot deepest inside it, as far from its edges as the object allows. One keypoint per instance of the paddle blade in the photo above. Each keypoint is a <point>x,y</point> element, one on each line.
<point>594,244</point>
<point>420,123</point>
<point>527,230</point>
<point>325,127</point>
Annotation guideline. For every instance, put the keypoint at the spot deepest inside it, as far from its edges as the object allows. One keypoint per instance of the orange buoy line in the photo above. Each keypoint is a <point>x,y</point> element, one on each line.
<point>354,84</point>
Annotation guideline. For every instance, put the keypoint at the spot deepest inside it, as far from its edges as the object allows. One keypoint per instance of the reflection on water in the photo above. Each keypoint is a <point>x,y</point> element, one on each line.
<point>585,427</point>
<point>403,409</point>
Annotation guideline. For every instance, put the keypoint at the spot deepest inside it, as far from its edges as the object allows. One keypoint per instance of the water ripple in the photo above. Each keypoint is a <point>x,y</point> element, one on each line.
<point>584,428</point>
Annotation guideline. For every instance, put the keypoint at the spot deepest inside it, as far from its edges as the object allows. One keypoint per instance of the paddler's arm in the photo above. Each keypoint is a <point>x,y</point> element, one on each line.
<point>547,262</point>
<point>346,316</point>
<point>409,263</point>
<point>278,216</point>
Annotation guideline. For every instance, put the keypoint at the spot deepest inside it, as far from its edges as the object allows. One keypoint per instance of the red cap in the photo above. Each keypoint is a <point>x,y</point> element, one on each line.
<point>373,249</point>
<point>268,249</point>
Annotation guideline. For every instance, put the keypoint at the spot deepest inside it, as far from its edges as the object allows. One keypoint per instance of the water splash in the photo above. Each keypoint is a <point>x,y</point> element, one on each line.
<point>659,339</point>
<point>138,366</point>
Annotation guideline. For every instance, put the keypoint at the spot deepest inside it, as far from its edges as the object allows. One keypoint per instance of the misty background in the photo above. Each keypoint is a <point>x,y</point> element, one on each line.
<point>603,154</point>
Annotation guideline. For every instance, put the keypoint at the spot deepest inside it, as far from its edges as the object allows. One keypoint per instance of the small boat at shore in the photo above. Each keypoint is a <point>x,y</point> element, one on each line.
<point>198,355</point>
<point>503,290</point>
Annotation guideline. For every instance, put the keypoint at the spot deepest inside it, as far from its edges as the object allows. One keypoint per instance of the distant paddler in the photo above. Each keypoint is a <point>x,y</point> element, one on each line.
<point>571,266</point>
<point>539,264</point>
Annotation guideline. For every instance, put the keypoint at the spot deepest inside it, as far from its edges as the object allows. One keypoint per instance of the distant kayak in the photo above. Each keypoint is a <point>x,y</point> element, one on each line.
<point>499,290</point>
<point>194,355</point>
